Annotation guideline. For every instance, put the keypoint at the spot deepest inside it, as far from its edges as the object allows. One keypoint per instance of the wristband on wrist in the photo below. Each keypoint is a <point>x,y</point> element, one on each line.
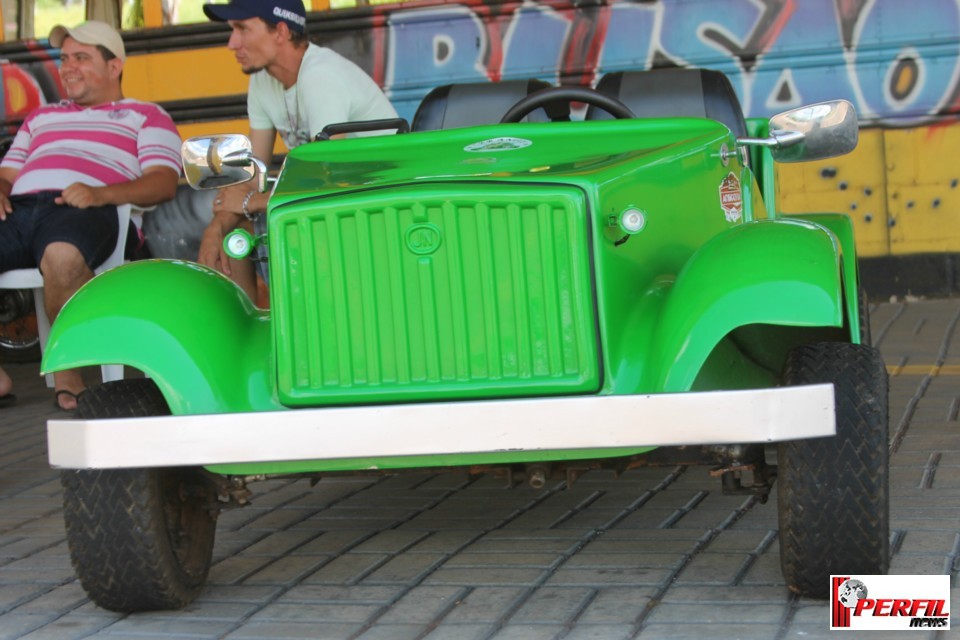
<point>246,204</point>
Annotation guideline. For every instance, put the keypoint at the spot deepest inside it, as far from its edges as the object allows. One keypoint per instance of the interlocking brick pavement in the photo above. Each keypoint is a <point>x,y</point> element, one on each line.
<point>655,553</point>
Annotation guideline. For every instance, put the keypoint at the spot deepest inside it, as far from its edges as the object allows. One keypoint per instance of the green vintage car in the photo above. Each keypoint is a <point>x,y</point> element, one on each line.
<point>500,288</point>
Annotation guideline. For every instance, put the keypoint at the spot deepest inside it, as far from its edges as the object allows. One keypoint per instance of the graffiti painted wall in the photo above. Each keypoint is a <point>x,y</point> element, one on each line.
<point>897,61</point>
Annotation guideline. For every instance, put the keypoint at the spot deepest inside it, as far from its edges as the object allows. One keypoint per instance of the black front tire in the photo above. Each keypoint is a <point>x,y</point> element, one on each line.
<point>833,493</point>
<point>139,539</point>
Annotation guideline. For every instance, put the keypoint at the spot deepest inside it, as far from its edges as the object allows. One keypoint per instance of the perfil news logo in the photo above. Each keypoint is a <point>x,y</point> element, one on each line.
<point>889,602</point>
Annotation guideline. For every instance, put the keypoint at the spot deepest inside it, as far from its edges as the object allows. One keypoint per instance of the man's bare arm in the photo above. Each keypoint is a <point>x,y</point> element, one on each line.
<point>262,141</point>
<point>157,184</point>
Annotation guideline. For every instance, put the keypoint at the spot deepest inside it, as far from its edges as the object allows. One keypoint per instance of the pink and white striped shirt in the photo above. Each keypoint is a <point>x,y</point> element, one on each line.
<point>63,143</point>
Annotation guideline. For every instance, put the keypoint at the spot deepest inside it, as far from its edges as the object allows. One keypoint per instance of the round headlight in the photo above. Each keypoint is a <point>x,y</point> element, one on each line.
<point>238,244</point>
<point>632,220</point>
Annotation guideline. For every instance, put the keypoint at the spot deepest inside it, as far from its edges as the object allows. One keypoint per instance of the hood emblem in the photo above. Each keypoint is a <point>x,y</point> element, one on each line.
<point>499,144</point>
<point>423,239</point>
<point>731,199</point>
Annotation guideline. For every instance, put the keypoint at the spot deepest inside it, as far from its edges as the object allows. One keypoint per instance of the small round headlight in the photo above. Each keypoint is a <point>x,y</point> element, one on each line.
<point>632,220</point>
<point>238,244</point>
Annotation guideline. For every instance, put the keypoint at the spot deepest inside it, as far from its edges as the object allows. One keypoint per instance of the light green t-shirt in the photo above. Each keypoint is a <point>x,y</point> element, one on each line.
<point>330,89</point>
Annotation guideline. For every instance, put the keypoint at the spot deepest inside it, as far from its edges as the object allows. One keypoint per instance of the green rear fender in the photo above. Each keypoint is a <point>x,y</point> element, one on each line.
<point>189,328</point>
<point>782,272</point>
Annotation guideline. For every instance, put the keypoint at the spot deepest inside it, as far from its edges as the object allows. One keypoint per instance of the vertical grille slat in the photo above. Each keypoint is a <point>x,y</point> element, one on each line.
<point>458,294</point>
<point>395,322</point>
<point>445,292</point>
<point>486,274</point>
<point>366,237</point>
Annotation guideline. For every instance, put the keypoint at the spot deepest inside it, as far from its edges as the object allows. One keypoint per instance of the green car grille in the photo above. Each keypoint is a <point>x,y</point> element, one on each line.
<point>435,292</point>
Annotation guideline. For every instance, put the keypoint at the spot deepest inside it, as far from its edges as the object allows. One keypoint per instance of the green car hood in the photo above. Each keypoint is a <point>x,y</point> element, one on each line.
<point>582,153</point>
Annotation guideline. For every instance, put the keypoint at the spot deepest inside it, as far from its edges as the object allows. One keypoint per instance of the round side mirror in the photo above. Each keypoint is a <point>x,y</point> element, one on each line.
<point>814,132</point>
<point>213,162</point>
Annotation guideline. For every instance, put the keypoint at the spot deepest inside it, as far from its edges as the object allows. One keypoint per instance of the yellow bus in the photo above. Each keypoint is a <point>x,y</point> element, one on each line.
<point>896,61</point>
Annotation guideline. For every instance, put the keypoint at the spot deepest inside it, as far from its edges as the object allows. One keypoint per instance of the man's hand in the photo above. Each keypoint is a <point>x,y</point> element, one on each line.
<point>227,216</point>
<point>211,249</point>
<point>7,178</point>
<point>211,252</point>
<point>82,196</point>
<point>5,207</point>
<point>230,199</point>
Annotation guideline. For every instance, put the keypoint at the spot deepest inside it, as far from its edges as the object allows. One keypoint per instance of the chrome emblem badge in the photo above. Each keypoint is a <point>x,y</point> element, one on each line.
<point>731,200</point>
<point>506,143</point>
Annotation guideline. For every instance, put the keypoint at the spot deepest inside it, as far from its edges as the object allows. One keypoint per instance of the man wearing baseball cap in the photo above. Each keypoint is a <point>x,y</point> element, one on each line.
<point>94,33</point>
<point>289,11</point>
<point>72,163</point>
<point>296,89</point>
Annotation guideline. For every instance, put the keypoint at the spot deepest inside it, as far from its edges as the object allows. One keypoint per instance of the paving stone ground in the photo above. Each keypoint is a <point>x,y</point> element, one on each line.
<point>654,553</point>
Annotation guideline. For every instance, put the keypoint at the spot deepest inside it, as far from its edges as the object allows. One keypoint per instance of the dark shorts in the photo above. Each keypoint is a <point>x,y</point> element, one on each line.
<point>38,221</point>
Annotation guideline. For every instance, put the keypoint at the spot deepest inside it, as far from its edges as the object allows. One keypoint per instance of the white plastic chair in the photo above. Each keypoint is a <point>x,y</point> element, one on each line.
<point>31,279</point>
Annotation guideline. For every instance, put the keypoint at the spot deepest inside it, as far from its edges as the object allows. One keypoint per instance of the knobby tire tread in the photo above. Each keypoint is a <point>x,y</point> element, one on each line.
<point>833,492</point>
<point>115,518</point>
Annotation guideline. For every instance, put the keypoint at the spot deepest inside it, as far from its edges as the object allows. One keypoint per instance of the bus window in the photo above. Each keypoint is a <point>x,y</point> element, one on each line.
<point>156,13</point>
<point>49,13</point>
<point>184,11</point>
<point>8,16</point>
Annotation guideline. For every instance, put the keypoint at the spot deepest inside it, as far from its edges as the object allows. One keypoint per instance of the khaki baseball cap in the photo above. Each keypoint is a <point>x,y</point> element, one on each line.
<point>91,32</point>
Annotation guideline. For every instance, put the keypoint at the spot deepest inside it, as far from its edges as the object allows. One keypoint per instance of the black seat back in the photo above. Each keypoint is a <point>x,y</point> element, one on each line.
<point>661,93</point>
<point>467,105</point>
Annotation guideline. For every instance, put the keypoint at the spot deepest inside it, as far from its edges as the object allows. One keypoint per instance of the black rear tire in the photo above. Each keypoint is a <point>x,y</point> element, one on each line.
<point>833,492</point>
<point>20,350</point>
<point>19,338</point>
<point>139,539</point>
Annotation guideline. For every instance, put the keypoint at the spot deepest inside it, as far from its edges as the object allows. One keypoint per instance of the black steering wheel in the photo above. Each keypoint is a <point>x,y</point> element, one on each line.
<point>543,97</point>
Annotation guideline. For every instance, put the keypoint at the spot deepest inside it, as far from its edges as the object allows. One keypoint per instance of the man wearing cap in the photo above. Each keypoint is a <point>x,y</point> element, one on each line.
<point>72,163</point>
<point>296,89</point>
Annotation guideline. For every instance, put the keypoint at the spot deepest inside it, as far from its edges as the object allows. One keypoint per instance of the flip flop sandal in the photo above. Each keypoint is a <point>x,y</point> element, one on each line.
<point>64,392</point>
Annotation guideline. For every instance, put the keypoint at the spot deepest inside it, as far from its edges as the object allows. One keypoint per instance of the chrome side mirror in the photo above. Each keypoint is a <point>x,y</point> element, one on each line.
<point>813,132</point>
<point>214,162</point>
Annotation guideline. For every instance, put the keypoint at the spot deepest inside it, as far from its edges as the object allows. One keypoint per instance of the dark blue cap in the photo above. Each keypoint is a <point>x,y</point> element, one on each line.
<point>273,11</point>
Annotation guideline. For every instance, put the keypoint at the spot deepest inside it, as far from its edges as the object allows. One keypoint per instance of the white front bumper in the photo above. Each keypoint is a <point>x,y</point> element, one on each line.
<point>582,422</point>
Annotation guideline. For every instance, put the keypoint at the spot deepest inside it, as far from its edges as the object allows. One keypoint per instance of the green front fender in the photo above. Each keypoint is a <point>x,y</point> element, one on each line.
<point>781,272</point>
<point>187,327</point>
<point>841,226</point>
